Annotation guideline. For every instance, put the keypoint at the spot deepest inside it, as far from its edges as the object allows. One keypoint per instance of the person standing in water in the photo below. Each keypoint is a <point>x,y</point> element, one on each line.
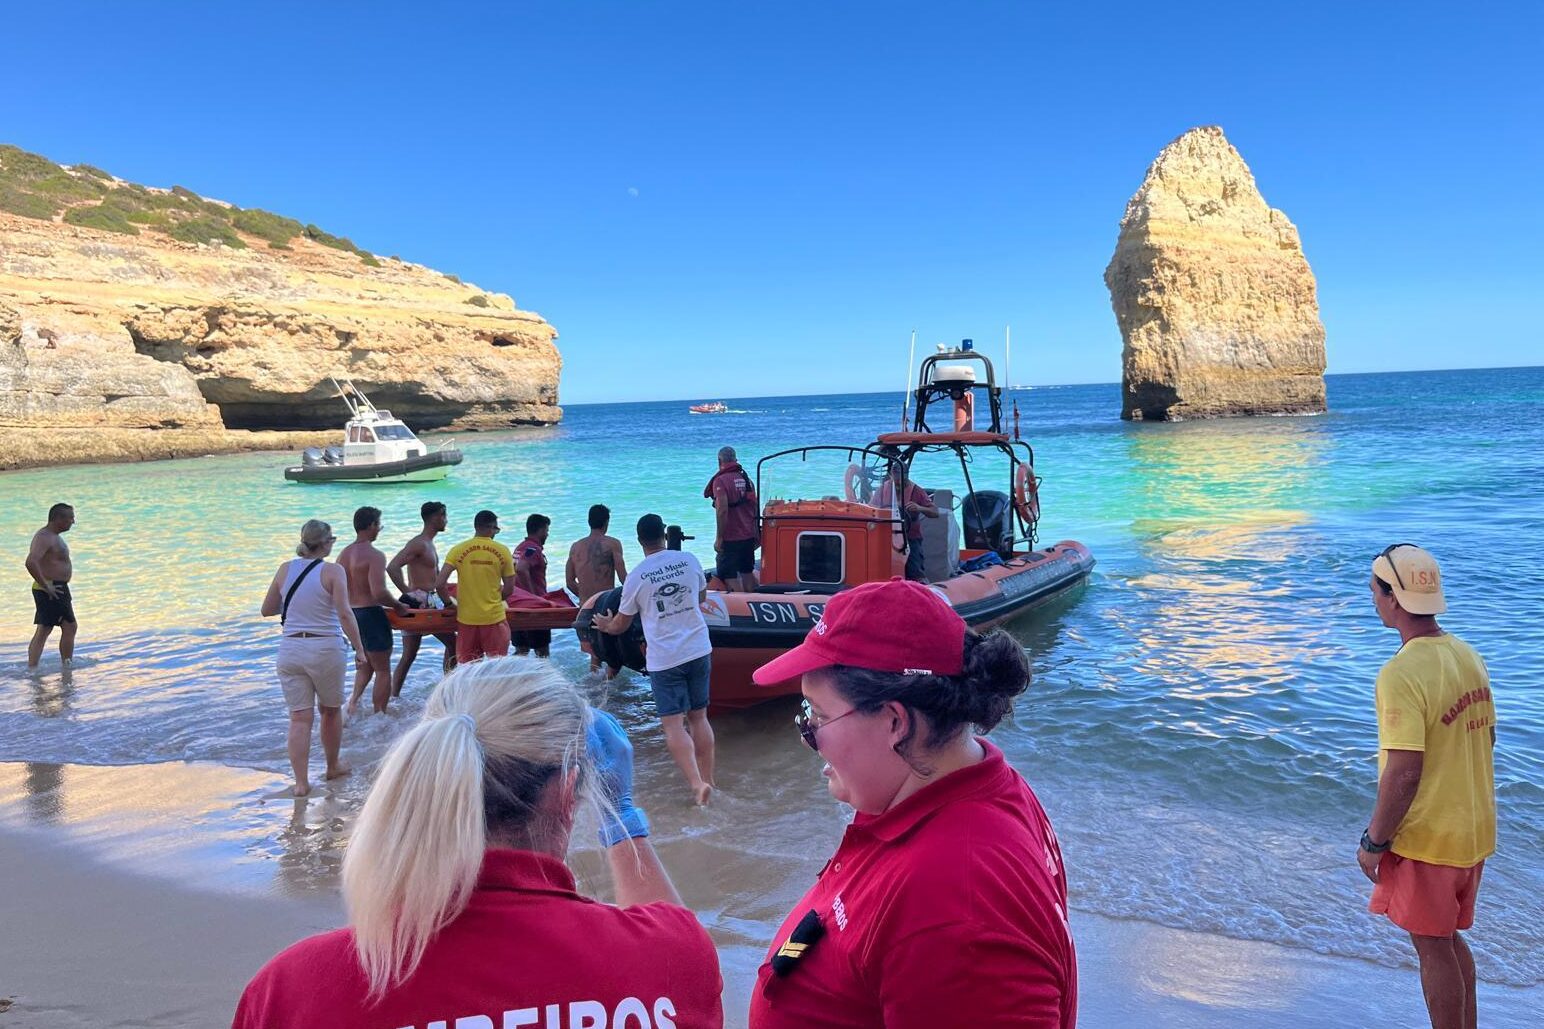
<point>365,566</point>
<point>48,562</point>
<point>1434,822</point>
<point>737,533</point>
<point>485,576</point>
<point>667,588</point>
<point>310,597</point>
<point>594,564</point>
<point>531,576</point>
<point>422,563</point>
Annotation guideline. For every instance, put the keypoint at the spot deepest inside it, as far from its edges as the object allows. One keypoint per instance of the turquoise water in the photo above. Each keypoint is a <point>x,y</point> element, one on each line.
<point>1200,726</point>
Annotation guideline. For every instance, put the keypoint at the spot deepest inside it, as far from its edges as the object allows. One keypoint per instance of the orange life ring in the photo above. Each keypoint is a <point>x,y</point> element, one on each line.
<point>1026,494</point>
<point>852,483</point>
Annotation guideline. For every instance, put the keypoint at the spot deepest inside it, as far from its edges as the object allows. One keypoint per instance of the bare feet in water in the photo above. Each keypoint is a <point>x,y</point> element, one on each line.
<point>338,772</point>
<point>702,791</point>
<point>352,711</point>
<point>297,790</point>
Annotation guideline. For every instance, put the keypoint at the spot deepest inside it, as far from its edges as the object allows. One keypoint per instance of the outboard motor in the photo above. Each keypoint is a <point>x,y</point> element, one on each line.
<point>311,457</point>
<point>615,652</point>
<point>333,455</point>
<point>987,517</point>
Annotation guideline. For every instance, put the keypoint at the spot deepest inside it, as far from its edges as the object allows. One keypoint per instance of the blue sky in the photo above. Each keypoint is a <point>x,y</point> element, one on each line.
<point>723,199</point>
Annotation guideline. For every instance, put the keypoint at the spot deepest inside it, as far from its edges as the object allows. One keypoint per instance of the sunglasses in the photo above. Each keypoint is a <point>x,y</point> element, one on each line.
<point>808,726</point>
<point>1387,555</point>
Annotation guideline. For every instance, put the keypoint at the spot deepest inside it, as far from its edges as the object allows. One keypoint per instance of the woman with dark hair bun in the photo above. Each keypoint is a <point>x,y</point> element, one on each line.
<point>945,903</point>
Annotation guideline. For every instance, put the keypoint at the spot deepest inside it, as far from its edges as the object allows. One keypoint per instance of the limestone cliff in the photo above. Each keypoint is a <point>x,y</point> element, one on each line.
<point>1216,304</point>
<point>173,330</point>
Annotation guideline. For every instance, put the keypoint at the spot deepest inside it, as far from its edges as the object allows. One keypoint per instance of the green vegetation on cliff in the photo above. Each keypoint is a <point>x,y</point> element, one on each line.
<point>35,187</point>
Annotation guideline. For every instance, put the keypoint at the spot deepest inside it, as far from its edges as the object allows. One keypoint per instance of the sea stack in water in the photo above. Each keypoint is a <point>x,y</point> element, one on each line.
<point>1216,304</point>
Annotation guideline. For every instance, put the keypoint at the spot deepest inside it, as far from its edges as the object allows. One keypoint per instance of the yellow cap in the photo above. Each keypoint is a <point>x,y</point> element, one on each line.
<point>1415,578</point>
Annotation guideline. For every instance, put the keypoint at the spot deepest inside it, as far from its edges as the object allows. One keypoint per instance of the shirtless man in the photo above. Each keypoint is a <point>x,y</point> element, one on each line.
<point>368,596</point>
<point>422,562</point>
<point>48,562</point>
<point>594,564</point>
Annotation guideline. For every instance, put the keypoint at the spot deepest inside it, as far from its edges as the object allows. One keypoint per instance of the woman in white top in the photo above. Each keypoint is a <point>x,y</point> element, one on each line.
<point>311,597</point>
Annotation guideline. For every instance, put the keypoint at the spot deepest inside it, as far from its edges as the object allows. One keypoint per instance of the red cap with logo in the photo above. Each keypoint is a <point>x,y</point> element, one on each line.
<point>896,626</point>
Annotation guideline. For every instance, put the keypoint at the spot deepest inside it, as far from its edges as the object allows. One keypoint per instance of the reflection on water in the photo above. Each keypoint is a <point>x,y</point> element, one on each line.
<point>43,789</point>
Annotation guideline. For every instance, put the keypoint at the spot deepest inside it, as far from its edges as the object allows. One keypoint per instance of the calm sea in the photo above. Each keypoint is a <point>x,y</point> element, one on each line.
<point>1200,725</point>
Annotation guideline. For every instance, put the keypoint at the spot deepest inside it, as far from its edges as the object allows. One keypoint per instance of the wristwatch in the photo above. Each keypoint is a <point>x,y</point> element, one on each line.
<point>1375,848</point>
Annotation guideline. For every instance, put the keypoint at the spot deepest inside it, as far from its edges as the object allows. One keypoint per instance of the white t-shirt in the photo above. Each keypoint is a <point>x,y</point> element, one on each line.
<point>663,588</point>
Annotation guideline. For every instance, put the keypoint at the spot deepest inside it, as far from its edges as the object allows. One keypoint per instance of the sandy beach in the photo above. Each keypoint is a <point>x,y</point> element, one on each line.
<point>88,944</point>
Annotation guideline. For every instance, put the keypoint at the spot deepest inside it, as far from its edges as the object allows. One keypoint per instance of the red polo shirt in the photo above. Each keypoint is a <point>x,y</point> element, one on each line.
<point>527,951</point>
<point>950,909</point>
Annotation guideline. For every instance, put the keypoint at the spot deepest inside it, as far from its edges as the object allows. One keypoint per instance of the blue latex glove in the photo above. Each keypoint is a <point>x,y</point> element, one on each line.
<point>611,752</point>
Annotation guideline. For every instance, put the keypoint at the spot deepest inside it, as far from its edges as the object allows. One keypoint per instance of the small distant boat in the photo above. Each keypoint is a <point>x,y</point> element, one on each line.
<point>376,448</point>
<point>716,407</point>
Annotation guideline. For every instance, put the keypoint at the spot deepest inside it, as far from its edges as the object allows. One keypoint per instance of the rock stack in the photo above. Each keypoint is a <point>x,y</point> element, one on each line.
<point>1216,304</point>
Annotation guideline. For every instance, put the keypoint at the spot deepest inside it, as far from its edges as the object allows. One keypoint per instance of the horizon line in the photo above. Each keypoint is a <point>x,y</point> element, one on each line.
<point>1032,386</point>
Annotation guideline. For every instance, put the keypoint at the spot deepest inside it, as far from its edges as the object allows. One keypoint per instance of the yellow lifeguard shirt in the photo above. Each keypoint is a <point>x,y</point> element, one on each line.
<point>480,564</point>
<point>1434,696</point>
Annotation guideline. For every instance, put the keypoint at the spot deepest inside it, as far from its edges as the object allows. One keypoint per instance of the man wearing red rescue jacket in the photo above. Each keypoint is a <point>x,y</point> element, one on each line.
<point>737,534</point>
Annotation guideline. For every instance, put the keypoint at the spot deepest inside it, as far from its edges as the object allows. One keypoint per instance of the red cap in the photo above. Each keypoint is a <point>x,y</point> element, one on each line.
<point>895,626</point>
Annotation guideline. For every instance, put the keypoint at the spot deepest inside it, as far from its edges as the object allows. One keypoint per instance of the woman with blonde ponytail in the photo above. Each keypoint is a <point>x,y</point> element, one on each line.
<point>461,911</point>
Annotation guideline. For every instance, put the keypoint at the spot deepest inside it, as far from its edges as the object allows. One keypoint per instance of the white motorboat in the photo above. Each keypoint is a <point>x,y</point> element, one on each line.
<point>376,448</point>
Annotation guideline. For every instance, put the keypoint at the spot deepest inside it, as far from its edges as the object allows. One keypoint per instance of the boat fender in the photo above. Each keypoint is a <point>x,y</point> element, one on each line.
<point>854,484</point>
<point>1026,494</point>
<point>616,652</point>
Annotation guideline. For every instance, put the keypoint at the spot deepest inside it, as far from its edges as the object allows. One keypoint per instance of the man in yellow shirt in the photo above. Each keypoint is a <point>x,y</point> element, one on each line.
<point>485,575</point>
<point>1435,819</point>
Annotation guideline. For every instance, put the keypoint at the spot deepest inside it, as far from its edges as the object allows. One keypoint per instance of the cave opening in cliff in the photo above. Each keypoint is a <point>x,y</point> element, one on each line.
<point>422,414</point>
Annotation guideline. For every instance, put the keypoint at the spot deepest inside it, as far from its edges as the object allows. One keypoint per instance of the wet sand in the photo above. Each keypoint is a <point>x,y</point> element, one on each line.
<point>87,944</point>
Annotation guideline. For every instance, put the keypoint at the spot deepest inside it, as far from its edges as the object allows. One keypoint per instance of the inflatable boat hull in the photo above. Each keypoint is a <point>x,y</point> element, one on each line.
<point>749,629</point>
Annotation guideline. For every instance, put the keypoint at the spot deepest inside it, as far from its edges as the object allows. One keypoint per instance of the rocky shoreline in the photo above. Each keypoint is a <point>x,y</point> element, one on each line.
<point>139,343</point>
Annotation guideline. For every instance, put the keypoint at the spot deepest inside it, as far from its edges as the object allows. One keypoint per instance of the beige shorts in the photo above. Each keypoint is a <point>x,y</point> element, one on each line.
<point>311,671</point>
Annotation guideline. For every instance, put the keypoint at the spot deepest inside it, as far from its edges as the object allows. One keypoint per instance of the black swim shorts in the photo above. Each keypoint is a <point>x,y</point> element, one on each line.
<point>374,629</point>
<point>53,610</point>
<point>736,557</point>
<point>533,639</point>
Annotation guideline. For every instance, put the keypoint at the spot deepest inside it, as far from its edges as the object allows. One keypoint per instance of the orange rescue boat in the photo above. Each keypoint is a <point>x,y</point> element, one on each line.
<point>812,549</point>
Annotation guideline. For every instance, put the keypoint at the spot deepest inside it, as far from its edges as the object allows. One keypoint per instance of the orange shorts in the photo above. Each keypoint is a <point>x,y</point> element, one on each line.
<point>1425,899</point>
<point>478,641</point>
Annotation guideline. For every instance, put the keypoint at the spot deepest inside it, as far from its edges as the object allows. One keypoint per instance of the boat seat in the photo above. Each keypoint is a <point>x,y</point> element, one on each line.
<point>940,539</point>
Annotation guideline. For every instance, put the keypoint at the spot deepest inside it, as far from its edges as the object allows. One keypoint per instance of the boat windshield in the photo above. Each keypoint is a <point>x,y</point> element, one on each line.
<point>397,431</point>
<point>824,473</point>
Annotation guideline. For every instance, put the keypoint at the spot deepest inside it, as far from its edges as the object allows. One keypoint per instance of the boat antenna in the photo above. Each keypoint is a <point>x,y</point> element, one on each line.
<point>906,386</point>
<point>1008,343</point>
<point>344,388</point>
